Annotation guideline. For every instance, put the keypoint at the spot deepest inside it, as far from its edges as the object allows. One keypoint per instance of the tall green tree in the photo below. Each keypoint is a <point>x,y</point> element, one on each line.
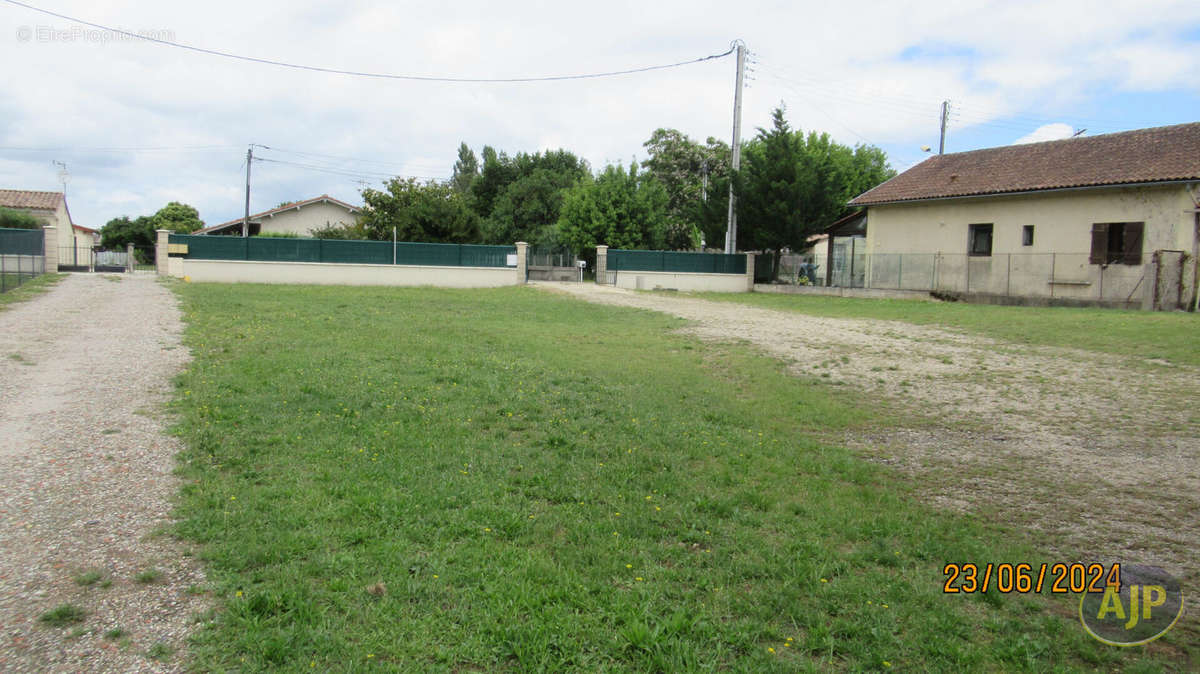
<point>618,208</point>
<point>427,212</point>
<point>518,198</point>
<point>685,167</point>
<point>12,219</point>
<point>177,217</point>
<point>120,232</point>
<point>466,169</point>
<point>792,185</point>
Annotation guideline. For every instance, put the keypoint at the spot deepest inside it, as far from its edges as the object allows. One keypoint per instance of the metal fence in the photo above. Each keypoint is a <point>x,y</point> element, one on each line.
<point>21,257</point>
<point>1049,275</point>
<point>271,249</point>
<point>76,257</point>
<point>675,261</point>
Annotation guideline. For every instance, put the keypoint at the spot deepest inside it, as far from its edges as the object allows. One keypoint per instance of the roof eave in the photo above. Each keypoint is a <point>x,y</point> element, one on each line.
<point>984,195</point>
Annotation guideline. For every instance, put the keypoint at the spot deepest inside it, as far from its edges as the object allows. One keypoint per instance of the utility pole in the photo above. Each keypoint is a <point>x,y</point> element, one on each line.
<point>735,149</point>
<point>246,220</point>
<point>945,116</point>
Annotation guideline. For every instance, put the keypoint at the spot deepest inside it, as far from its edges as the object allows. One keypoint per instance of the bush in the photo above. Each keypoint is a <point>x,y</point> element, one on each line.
<point>18,219</point>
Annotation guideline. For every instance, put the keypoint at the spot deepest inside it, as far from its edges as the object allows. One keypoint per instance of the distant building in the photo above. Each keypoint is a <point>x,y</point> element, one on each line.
<point>75,242</point>
<point>299,218</point>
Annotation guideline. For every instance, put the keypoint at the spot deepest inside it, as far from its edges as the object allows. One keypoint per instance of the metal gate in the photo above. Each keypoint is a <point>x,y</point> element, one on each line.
<point>111,260</point>
<point>552,264</point>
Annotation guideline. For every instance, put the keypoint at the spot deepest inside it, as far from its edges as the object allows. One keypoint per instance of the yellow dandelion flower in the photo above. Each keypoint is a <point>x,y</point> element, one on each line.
<point>789,639</point>
<point>639,579</point>
<point>886,663</point>
<point>824,580</point>
<point>232,498</point>
<point>629,566</point>
<point>435,575</point>
<point>239,593</point>
<point>487,529</point>
<point>770,650</point>
<point>657,508</point>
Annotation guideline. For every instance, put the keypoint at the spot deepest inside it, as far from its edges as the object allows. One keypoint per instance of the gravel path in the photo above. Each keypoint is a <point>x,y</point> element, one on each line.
<point>1099,453</point>
<point>85,479</point>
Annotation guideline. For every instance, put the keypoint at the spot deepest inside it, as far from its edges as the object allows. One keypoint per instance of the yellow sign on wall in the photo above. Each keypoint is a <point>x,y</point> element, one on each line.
<point>177,248</point>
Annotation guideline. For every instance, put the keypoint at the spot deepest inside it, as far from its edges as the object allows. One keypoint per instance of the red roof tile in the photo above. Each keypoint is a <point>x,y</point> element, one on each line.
<point>45,201</point>
<point>1166,153</point>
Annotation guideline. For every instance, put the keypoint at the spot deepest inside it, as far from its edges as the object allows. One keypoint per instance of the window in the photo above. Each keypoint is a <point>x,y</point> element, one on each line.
<point>1116,243</point>
<point>979,239</point>
<point>1027,235</point>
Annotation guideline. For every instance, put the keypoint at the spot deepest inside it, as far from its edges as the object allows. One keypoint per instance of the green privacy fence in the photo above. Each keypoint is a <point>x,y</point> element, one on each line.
<point>269,249</point>
<point>674,261</point>
<point>20,241</point>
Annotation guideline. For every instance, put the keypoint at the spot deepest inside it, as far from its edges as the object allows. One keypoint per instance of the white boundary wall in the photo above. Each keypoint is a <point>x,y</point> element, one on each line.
<point>320,273</point>
<point>686,281</point>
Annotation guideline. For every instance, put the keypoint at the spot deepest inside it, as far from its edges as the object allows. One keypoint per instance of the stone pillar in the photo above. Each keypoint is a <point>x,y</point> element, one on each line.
<point>160,252</point>
<point>750,272</point>
<point>601,264</point>
<point>129,257</point>
<point>50,249</point>
<point>522,262</point>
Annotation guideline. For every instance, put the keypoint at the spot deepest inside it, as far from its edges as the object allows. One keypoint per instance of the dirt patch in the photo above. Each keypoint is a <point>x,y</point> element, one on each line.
<point>1098,454</point>
<point>86,480</point>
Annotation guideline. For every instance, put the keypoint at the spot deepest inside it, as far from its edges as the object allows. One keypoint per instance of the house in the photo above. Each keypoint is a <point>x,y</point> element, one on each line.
<point>75,242</point>
<point>299,218</point>
<point>1110,218</point>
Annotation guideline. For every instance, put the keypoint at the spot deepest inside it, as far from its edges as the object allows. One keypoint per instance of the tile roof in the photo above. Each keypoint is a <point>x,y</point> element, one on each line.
<point>46,201</point>
<point>1161,154</point>
<point>285,207</point>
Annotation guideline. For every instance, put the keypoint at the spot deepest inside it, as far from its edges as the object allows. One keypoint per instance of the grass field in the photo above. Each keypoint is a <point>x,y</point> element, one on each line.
<point>28,288</point>
<point>1167,336</point>
<point>437,480</point>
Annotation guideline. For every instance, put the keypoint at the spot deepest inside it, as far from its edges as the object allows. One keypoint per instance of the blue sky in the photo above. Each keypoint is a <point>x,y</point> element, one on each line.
<point>175,124</point>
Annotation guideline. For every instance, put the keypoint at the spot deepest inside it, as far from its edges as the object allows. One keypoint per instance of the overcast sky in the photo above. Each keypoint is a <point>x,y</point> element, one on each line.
<point>140,124</point>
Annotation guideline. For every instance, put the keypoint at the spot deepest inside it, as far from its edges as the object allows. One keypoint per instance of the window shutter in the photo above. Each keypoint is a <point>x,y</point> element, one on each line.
<point>1099,243</point>
<point>1133,242</point>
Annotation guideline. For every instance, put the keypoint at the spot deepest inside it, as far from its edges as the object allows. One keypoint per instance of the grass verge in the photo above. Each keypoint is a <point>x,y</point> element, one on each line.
<point>29,289</point>
<point>1169,336</point>
<point>454,480</point>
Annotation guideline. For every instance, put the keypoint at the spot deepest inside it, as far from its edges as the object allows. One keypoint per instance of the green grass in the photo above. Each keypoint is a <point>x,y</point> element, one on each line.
<point>148,576</point>
<point>88,578</point>
<point>436,480</point>
<point>1145,334</point>
<point>63,615</point>
<point>30,288</point>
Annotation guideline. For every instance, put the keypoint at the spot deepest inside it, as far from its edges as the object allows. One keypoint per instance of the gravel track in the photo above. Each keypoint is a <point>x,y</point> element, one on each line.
<point>86,478</point>
<point>1098,455</point>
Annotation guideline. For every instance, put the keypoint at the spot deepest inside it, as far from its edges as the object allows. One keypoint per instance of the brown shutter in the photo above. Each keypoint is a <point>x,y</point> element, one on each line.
<point>1133,242</point>
<point>1099,243</point>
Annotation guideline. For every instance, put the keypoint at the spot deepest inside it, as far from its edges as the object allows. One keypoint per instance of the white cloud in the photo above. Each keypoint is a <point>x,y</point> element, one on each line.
<point>1055,131</point>
<point>1041,61</point>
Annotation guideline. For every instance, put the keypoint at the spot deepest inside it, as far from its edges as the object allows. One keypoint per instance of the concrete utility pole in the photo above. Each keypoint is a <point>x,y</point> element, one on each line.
<point>945,116</point>
<point>735,149</point>
<point>246,220</point>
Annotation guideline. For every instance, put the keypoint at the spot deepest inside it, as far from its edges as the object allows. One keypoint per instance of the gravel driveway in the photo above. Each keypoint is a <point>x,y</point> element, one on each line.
<point>1098,454</point>
<point>85,479</point>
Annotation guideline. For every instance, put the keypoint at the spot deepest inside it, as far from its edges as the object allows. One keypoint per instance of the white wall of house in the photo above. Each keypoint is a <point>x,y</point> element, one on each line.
<point>1062,223</point>
<point>302,221</point>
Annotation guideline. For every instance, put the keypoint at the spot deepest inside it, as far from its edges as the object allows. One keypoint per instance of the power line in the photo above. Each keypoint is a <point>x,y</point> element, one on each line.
<point>355,73</point>
<point>184,148</point>
<point>336,157</point>
<point>342,172</point>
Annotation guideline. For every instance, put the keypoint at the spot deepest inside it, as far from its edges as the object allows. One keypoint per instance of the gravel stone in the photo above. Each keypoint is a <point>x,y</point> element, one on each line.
<point>86,477</point>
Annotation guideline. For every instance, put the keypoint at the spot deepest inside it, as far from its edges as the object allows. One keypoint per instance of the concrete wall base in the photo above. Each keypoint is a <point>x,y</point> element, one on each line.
<point>318,273</point>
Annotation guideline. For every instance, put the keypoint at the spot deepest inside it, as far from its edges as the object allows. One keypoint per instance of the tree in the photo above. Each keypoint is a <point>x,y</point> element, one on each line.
<point>120,232</point>
<point>428,212</point>
<point>518,198</point>
<point>12,219</point>
<point>792,185</point>
<point>177,217</point>
<point>466,169</point>
<point>683,166</point>
<point>618,209</point>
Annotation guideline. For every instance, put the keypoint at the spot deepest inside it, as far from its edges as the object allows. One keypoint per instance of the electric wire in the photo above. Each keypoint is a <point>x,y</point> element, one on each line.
<point>386,76</point>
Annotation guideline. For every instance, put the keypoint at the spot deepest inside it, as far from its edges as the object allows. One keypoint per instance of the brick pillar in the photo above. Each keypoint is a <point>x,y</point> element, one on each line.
<point>129,257</point>
<point>750,272</point>
<point>522,262</point>
<point>50,249</point>
<point>160,252</point>
<point>601,264</point>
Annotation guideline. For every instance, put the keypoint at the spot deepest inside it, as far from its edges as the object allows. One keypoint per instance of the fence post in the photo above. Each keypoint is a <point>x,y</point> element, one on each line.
<point>160,251</point>
<point>1008,278</point>
<point>50,249</point>
<point>900,271</point>
<point>750,272</point>
<point>522,261</point>
<point>601,265</point>
<point>129,257</point>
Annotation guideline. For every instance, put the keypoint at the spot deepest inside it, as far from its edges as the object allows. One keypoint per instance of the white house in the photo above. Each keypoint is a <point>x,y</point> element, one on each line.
<point>75,242</point>
<point>299,218</point>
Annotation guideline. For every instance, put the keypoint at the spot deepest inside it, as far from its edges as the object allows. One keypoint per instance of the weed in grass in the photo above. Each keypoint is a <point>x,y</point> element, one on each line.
<point>195,590</point>
<point>110,431</point>
<point>78,632</point>
<point>63,615</point>
<point>20,359</point>
<point>160,651</point>
<point>106,583</point>
<point>148,576</point>
<point>115,633</point>
<point>88,578</point>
